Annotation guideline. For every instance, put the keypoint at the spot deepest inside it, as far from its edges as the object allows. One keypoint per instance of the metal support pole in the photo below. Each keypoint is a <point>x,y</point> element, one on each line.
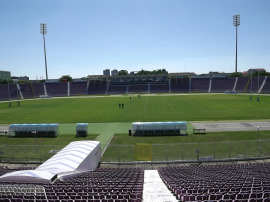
<point>236,23</point>
<point>45,57</point>
<point>9,96</point>
<point>258,79</point>
<point>43,31</point>
<point>236,47</point>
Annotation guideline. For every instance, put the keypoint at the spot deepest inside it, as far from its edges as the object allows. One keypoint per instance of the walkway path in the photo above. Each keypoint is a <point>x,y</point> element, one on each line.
<point>154,189</point>
<point>106,131</point>
<point>220,126</point>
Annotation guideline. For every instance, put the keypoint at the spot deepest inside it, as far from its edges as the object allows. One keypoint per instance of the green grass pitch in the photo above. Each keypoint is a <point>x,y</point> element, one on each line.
<point>145,108</point>
<point>107,119</point>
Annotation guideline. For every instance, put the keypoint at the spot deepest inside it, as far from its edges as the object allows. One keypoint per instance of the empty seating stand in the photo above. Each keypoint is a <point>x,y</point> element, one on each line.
<point>254,84</point>
<point>200,84</point>
<point>38,89</point>
<point>104,184</point>
<point>103,86</point>
<point>266,88</point>
<point>4,95</point>
<point>14,93</point>
<point>78,88</point>
<point>27,90</point>
<point>159,87</point>
<point>200,182</point>
<point>57,89</point>
<point>117,89</point>
<point>223,182</point>
<point>179,85</point>
<point>242,84</point>
<point>138,88</point>
<point>222,84</point>
<point>97,87</point>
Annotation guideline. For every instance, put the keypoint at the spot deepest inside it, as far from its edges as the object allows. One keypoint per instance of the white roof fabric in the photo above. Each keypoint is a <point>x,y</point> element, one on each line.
<point>76,157</point>
<point>31,176</point>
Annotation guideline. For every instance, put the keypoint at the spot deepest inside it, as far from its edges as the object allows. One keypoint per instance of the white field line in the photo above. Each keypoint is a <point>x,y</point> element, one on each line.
<point>132,95</point>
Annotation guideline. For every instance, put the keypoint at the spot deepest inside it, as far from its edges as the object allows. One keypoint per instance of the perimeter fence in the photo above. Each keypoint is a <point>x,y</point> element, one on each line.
<point>148,152</point>
<point>27,153</point>
<point>188,151</point>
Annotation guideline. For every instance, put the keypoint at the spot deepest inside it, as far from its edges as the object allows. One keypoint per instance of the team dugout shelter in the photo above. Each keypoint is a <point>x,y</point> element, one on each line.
<point>34,130</point>
<point>158,128</point>
<point>81,129</point>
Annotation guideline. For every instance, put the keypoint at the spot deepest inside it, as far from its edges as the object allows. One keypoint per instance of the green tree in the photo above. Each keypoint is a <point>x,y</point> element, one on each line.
<point>5,81</point>
<point>266,74</point>
<point>236,74</point>
<point>257,73</point>
<point>65,78</point>
<point>123,72</point>
<point>154,72</point>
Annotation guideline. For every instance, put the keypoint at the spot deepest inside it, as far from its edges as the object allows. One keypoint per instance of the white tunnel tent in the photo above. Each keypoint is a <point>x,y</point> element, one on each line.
<point>76,157</point>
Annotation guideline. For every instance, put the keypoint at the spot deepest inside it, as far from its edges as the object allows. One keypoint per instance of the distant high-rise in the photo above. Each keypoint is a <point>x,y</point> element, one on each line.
<point>5,75</point>
<point>114,72</point>
<point>106,72</point>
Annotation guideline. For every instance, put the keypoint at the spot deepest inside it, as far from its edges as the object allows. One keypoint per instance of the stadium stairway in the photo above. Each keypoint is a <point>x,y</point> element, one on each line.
<point>154,189</point>
<point>19,90</point>
<point>106,132</point>
<point>68,88</point>
<point>105,139</point>
<point>235,84</point>
<point>263,83</point>
<point>210,86</point>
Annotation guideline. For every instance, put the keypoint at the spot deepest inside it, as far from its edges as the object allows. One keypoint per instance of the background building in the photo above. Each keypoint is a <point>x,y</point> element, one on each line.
<point>252,71</point>
<point>181,74</point>
<point>114,72</point>
<point>20,78</point>
<point>5,75</point>
<point>106,72</point>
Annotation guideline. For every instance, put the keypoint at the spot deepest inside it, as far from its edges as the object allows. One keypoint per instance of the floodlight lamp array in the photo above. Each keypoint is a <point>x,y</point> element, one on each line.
<point>43,28</point>
<point>236,20</point>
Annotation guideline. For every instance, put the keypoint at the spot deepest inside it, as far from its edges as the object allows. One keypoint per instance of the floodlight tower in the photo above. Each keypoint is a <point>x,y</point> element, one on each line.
<point>236,23</point>
<point>43,31</point>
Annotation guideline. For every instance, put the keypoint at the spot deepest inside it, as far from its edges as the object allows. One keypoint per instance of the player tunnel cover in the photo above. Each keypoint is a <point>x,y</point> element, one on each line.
<point>78,156</point>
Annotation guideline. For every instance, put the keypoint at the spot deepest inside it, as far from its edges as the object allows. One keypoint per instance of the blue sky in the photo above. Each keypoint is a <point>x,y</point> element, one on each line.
<point>86,36</point>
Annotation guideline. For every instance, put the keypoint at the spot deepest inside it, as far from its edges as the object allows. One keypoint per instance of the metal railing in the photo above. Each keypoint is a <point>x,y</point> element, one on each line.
<point>11,153</point>
<point>195,151</point>
<point>204,151</point>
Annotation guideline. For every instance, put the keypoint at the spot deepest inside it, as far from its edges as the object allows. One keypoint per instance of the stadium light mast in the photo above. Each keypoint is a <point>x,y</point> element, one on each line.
<point>236,23</point>
<point>43,31</point>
